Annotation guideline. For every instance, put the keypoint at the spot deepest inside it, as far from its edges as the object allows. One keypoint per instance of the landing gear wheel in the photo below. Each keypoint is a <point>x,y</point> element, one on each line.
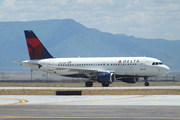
<point>146,84</point>
<point>145,79</point>
<point>89,84</point>
<point>105,84</point>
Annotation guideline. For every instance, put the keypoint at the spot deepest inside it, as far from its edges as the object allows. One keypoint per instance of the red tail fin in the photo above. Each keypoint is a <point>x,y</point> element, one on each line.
<point>35,47</point>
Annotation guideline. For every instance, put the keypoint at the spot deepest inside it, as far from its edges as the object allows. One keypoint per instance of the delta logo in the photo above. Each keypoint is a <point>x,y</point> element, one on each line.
<point>129,61</point>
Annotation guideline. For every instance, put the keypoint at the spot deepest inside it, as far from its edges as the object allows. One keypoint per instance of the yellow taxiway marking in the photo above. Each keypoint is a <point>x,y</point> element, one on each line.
<point>148,100</point>
<point>70,102</point>
<point>20,101</point>
<point>37,117</point>
<point>82,101</point>
<point>106,99</point>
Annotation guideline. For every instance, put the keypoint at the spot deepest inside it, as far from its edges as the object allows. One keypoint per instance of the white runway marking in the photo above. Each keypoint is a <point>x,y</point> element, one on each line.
<point>164,100</point>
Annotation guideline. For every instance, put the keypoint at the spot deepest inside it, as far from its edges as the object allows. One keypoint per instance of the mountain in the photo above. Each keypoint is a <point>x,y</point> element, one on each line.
<point>67,38</point>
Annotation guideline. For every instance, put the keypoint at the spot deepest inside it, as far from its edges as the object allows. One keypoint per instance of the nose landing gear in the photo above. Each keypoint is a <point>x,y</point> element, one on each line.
<point>146,83</point>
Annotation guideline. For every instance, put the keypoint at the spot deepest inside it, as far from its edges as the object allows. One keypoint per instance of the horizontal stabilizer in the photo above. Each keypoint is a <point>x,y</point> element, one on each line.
<point>17,62</point>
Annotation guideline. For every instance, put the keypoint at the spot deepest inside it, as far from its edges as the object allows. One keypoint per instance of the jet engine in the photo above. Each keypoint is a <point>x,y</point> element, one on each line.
<point>130,80</point>
<point>106,77</point>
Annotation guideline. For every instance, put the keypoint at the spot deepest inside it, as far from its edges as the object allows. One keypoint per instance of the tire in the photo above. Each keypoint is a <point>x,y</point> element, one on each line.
<point>146,84</point>
<point>105,84</point>
<point>89,84</point>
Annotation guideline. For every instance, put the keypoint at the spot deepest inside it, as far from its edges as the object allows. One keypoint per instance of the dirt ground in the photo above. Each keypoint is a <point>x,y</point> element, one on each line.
<point>91,92</point>
<point>94,92</point>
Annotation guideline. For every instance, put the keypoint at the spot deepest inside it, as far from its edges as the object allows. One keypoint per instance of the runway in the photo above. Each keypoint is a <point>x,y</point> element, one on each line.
<point>63,112</point>
<point>90,88</point>
<point>124,107</point>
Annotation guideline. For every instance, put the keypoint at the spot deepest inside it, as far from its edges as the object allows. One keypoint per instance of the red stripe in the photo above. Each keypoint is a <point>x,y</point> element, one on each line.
<point>33,41</point>
<point>38,50</point>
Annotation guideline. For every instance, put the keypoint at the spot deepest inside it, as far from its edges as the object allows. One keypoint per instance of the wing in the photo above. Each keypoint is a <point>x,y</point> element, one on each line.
<point>87,71</point>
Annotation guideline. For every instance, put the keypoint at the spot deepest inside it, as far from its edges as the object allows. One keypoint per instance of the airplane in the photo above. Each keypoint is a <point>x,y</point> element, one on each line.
<point>104,70</point>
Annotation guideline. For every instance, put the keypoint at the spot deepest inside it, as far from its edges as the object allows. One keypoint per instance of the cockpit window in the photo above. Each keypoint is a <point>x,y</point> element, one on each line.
<point>157,63</point>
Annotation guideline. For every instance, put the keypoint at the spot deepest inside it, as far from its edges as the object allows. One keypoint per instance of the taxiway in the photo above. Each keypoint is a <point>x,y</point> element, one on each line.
<point>125,107</point>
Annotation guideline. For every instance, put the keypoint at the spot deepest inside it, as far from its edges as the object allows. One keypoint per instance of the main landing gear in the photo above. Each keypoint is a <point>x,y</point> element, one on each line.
<point>89,84</point>
<point>146,83</point>
<point>105,84</point>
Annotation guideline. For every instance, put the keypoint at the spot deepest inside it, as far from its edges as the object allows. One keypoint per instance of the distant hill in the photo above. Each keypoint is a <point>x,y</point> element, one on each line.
<point>67,38</point>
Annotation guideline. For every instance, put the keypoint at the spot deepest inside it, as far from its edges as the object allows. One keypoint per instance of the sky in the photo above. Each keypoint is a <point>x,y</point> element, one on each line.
<point>139,18</point>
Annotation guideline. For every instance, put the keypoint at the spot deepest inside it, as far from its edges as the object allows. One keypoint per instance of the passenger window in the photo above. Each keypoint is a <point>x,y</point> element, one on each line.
<point>157,63</point>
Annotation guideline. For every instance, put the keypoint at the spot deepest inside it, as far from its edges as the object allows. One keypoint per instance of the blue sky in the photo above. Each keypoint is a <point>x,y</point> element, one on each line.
<point>140,18</point>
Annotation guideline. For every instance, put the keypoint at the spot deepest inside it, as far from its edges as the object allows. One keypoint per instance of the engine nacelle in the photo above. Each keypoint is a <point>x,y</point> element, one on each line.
<point>106,77</point>
<point>130,80</point>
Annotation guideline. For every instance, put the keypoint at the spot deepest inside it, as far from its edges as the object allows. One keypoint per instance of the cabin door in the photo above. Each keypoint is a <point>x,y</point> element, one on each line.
<point>143,64</point>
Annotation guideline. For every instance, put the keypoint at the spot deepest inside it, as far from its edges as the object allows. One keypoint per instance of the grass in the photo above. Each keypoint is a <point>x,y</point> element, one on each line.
<point>94,92</point>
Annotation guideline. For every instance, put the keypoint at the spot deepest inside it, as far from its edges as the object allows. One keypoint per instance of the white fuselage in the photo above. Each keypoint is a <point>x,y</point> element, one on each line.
<point>123,66</point>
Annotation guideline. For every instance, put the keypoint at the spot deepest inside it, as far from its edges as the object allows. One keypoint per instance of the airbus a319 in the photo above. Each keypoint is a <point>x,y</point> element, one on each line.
<point>104,70</point>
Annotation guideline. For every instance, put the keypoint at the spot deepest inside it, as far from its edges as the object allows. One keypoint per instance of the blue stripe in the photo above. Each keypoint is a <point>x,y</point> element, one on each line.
<point>45,54</point>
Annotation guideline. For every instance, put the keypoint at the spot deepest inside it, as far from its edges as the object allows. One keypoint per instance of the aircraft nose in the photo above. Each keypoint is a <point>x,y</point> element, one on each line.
<point>166,69</point>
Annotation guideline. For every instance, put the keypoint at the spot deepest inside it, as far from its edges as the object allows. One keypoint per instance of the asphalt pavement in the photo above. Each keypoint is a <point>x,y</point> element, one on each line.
<point>124,107</point>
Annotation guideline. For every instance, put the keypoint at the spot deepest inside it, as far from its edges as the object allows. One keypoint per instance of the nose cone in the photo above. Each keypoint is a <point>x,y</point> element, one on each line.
<point>166,69</point>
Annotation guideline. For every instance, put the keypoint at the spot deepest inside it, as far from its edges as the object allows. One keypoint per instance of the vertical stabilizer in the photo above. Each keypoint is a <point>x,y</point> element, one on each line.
<point>35,47</point>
